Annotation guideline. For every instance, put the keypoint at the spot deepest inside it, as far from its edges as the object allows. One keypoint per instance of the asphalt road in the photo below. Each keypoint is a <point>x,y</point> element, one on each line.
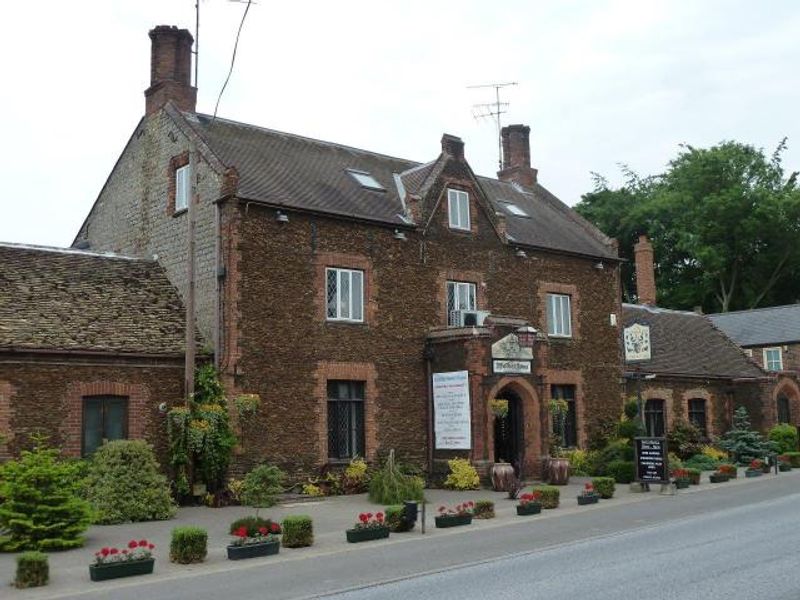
<point>732,542</point>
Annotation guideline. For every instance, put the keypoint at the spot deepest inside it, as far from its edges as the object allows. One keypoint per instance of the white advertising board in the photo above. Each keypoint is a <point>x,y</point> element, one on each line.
<point>452,423</point>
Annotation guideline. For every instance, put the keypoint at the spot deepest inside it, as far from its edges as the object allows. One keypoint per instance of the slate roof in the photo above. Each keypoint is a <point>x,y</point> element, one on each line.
<point>687,343</point>
<point>59,299</point>
<point>302,173</point>
<point>761,326</point>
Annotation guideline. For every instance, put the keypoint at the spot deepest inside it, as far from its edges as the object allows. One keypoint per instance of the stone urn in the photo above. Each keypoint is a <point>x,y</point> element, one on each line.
<point>503,476</point>
<point>558,471</point>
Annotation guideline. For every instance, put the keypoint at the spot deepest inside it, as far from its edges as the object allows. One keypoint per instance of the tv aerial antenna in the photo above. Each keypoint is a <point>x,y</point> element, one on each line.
<point>493,110</point>
<point>196,50</point>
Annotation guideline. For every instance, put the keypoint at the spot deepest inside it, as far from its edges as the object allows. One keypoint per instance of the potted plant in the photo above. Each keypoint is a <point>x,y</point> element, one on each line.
<point>368,527</point>
<point>681,477</point>
<point>558,465</point>
<point>694,476</point>
<point>529,504</point>
<point>110,563</point>
<point>588,495</point>
<point>755,469</point>
<point>729,470</point>
<point>784,462</point>
<point>718,477</point>
<point>264,541</point>
<point>461,514</point>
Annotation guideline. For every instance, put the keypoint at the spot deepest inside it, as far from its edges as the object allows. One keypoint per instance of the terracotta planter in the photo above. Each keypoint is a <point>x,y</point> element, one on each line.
<point>444,521</point>
<point>122,569</point>
<point>590,499</point>
<point>531,508</point>
<point>253,550</point>
<point>502,476</point>
<point>367,534</point>
<point>558,471</point>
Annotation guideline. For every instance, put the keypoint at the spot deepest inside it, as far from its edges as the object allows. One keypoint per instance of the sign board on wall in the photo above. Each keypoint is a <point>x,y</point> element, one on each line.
<point>511,366</point>
<point>637,342</point>
<point>651,460</point>
<point>452,422</point>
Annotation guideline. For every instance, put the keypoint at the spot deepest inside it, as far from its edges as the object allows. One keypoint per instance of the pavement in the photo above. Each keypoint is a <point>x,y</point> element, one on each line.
<point>336,563</point>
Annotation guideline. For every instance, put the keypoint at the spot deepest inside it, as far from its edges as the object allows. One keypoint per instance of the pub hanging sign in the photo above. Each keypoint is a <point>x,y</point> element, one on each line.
<point>652,465</point>
<point>636,339</point>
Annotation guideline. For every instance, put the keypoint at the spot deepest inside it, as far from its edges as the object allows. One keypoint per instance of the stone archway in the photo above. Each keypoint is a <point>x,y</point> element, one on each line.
<point>786,388</point>
<point>529,412</point>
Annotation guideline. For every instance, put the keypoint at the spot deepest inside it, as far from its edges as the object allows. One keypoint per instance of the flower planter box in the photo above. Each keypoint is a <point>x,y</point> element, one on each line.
<point>531,508</point>
<point>766,468</point>
<point>753,473</point>
<point>591,499</point>
<point>718,478</point>
<point>121,569</point>
<point>694,479</point>
<point>783,467</point>
<point>682,483</point>
<point>443,521</point>
<point>368,533</point>
<point>253,550</point>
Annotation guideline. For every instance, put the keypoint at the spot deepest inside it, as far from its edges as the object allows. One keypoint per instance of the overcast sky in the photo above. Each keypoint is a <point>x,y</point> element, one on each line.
<point>600,83</point>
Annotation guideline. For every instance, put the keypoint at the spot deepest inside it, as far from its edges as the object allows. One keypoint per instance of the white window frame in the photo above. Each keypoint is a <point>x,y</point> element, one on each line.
<point>559,315</point>
<point>345,306</point>
<point>768,363</point>
<point>462,291</point>
<point>458,210</point>
<point>183,188</point>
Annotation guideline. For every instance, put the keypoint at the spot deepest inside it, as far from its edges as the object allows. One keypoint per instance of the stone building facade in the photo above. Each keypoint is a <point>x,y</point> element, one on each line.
<point>335,282</point>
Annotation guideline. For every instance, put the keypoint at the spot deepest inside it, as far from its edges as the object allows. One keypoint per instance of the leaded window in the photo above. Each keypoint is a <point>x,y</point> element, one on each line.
<point>654,417</point>
<point>345,419</point>
<point>784,412</point>
<point>460,296</point>
<point>105,418</point>
<point>697,414</point>
<point>345,294</point>
<point>569,439</point>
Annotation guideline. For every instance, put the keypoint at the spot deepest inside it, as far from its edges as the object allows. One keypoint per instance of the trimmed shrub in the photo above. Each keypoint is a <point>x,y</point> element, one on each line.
<point>794,459</point>
<point>298,531</point>
<point>702,462</point>
<point>33,570</point>
<point>631,409</point>
<point>604,486</point>
<point>253,524</point>
<point>395,518</point>
<point>623,471</point>
<point>580,461</point>
<point>463,475</point>
<point>785,437</point>
<point>125,484</point>
<point>261,487</point>
<point>629,429</point>
<point>684,439</point>
<point>550,495</point>
<point>616,450</point>
<point>389,485</point>
<point>484,509</point>
<point>41,509</point>
<point>188,545</point>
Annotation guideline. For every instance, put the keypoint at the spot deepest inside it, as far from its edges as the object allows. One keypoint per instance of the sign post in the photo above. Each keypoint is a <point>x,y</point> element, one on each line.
<point>652,462</point>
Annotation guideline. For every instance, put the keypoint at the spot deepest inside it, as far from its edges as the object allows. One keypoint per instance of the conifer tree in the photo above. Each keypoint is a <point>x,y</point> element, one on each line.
<point>741,442</point>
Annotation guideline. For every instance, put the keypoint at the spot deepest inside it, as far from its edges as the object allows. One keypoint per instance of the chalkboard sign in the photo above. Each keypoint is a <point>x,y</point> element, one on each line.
<point>651,460</point>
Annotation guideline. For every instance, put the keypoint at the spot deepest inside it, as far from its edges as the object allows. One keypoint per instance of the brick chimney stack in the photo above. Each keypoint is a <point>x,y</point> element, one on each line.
<point>645,271</point>
<point>517,156</point>
<point>170,70</point>
<point>453,146</point>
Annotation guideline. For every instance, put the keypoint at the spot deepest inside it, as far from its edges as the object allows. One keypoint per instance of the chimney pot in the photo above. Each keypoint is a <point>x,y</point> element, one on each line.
<point>645,271</point>
<point>453,146</point>
<point>170,70</point>
<point>517,156</point>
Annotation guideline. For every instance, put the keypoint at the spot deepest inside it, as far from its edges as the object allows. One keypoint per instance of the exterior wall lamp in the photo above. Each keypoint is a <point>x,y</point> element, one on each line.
<point>399,235</point>
<point>281,217</point>
<point>527,336</point>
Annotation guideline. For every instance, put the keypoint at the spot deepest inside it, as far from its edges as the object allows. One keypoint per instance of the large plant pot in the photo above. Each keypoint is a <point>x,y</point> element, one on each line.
<point>558,471</point>
<point>365,535</point>
<point>682,483</point>
<point>766,468</point>
<point>783,467</point>
<point>531,508</point>
<point>503,476</point>
<point>718,478</point>
<point>749,473</point>
<point>591,499</point>
<point>123,569</point>
<point>253,550</point>
<point>694,478</point>
<point>443,521</point>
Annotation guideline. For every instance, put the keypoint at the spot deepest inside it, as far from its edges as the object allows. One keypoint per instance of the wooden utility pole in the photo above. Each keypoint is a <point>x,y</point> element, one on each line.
<point>190,279</point>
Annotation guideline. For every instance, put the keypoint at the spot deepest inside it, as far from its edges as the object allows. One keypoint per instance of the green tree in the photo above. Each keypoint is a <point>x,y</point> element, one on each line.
<point>723,222</point>
<point>41,508</point>
<point>741,442</point>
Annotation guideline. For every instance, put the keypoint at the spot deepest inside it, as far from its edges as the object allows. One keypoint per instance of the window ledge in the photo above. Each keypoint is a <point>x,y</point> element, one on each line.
<point>180,212</point>
<point>345,322</point>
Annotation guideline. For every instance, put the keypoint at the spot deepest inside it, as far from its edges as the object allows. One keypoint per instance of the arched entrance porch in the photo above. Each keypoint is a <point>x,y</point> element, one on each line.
<point>514,425</point>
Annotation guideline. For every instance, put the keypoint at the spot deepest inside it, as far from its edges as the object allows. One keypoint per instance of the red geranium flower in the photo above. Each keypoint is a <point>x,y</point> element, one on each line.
<point>369,515</point>
<point>105,551</point>
<point>124,550</point>
<point>114,551</point>
<point>151,546</point>
<point>142,543</point>
<point>241,532</point>
<point>379,517</point>
<point>263,530</point>
<point>363,517</point>
<point>133,544</point>
<point>275,528</point>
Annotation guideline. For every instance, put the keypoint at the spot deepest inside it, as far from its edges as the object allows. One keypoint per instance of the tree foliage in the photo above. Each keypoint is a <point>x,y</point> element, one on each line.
<point>741,442</point>
<point>723,221</point>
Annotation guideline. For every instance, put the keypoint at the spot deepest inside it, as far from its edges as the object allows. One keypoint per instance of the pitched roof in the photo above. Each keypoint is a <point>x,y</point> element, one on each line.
<point>303,173</point>
<point>761,326</point>
<point>687,343</point>
<point>59,299</point>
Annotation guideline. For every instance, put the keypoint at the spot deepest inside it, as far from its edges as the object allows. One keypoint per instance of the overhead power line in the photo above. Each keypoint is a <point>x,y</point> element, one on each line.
<point>233,58</point>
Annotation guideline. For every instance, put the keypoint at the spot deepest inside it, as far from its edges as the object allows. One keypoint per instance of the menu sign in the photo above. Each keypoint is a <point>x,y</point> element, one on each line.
<point>651,460</point>
<point>452,411</point>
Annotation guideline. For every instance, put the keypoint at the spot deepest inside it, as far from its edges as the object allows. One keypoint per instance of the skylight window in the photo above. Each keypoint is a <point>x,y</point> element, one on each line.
<point>366,180</point>
<point>514,209</point>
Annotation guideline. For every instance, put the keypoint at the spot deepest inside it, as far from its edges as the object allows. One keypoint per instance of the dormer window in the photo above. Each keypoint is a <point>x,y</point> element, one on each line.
<point>182,188</point>
<point>366,180</point>
<point>458,209</point>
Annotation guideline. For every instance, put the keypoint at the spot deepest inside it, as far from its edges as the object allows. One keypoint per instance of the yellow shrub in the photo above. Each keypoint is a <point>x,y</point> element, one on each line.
<point>714,453</point>
<point>580,461</point>
<point>356,470</point>
<point>463,475</point>
<point>309,489</point>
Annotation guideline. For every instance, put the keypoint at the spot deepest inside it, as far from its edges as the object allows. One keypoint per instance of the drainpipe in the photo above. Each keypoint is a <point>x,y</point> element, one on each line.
<point>190,341</point>
<point>428,352</point>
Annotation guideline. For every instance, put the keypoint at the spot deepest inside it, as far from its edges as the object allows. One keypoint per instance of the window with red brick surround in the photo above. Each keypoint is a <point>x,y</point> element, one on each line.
<point>546,288</point>
<point>175,163</point>
<point>332,260</point>
<point>463,277</point>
